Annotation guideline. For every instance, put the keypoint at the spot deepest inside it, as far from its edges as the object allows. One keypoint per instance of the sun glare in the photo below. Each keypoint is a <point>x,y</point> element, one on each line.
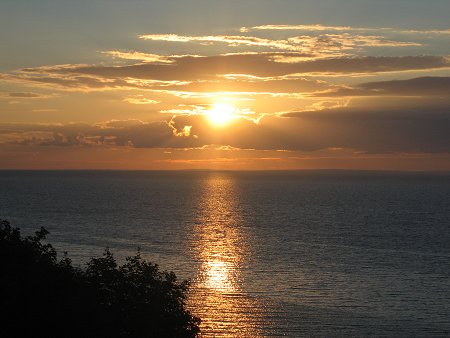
<point>221,113</point>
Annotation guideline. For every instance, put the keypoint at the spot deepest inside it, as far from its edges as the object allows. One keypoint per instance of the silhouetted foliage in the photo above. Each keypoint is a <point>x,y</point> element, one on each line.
<point>42,296</point>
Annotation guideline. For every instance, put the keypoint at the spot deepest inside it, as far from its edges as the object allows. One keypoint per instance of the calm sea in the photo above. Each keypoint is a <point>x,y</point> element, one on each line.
<point>269,253</point>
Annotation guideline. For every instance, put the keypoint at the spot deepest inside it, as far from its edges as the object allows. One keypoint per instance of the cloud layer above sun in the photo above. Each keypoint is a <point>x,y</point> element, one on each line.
<point>285,88</point>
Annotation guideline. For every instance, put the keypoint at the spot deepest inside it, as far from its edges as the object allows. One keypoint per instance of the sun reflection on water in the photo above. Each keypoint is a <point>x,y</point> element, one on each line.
<point>220,246</point>
<point>218,277</point>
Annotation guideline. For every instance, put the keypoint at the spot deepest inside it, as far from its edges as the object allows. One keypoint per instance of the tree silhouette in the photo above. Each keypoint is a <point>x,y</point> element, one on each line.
<point>42,296</point>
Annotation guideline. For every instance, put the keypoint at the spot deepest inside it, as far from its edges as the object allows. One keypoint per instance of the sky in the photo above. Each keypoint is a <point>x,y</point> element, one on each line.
<point>230,85</point>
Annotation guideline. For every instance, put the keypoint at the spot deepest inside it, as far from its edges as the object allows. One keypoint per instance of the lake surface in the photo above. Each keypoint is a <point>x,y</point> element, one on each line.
<point>270,254</point>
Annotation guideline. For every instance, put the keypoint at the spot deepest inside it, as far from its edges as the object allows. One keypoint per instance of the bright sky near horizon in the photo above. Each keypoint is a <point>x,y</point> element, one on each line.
<point>250,84</point>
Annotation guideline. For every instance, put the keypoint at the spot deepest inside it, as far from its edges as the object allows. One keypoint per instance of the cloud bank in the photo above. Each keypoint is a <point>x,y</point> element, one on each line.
<point>378,130</point>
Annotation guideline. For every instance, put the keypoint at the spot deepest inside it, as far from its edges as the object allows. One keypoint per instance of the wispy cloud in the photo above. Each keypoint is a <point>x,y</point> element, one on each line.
<point>433,31</point>
<point>24,95</point>
<point>146,57</point>
<point>319,45</point>
<point>133,55</point>
<point>230,40</point>
<point>140,99</point>
<point>45,110</point>
<point>312,28</point>
<point>323,28</point>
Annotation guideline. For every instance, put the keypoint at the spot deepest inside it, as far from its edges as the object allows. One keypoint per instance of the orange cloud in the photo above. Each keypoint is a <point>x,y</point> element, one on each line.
<point>321,28</point>
<point>140,99</point>
<point>191,71</point>
<point>421,127</point>
<point>321,45</point>
<point>299,27</point>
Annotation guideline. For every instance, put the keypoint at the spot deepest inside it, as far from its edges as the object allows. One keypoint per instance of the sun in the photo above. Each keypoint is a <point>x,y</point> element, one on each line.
<point>221,113</point>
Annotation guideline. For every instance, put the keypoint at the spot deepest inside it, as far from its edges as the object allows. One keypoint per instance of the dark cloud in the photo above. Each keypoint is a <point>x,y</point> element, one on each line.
<point>120,133</point>
<point>23,95</point>
<point>385,129</point>
<point>422,86</point>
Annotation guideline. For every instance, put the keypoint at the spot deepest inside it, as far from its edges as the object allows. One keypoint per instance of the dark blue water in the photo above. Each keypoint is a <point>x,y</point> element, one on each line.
<point>269,253</point>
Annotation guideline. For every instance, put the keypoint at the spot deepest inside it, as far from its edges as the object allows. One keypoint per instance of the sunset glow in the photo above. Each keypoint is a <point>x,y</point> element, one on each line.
<point>221,113</point>
<point>255,89</point>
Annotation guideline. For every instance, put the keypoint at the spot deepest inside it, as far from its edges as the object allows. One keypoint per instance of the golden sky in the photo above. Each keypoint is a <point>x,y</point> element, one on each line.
<point>112,91</point>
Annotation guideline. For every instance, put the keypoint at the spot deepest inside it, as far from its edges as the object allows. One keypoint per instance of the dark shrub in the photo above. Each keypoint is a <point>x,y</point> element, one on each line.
<point>43,297</point>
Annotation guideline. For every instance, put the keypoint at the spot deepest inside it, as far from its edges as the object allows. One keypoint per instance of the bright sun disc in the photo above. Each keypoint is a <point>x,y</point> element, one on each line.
<point>221,113</point>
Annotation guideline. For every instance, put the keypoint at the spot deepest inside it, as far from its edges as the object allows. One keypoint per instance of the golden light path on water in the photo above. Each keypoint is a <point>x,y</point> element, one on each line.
<point>221,247</point>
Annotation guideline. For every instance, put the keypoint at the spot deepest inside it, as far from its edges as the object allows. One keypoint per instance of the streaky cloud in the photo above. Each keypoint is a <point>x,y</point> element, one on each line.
<point>322,28</point>
<point>325,44</point>
<point>421,86</point>
<point>185,70</point>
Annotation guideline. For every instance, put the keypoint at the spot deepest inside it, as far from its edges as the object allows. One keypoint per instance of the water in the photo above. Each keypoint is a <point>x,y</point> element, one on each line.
<point>269,253</point>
